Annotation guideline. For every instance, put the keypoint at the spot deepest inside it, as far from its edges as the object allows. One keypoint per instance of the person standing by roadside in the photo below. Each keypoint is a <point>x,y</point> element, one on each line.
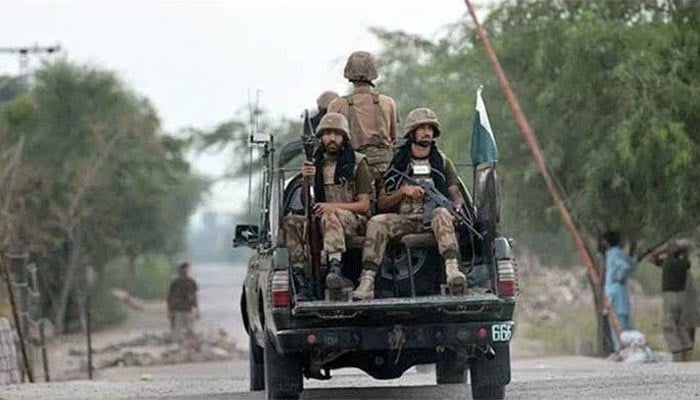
<point>182,304</point>
<point>680,301</point>
<point>618,267</point>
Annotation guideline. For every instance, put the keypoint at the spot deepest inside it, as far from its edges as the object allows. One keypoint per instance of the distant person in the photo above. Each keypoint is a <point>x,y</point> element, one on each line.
<point>182,305</point>
<point>618,267</point>
<point>681,313</point>
<point>322,103</point>
<point>372,116</point>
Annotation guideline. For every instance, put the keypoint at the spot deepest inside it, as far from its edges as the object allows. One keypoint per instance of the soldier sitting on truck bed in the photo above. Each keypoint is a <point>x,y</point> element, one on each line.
<point>342,187</point>
<point>419,158</point>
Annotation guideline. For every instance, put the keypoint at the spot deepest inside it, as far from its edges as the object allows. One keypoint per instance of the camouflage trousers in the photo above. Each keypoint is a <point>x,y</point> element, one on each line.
<point>335,227</point>
<point>384,227</point>
<point>182,325</point>
<point>378,161</point>
<point>678,333</point>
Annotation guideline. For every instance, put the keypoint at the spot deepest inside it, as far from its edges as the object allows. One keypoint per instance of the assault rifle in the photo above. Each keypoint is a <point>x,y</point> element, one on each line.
<point>313,229</point>
<point>433,199</point>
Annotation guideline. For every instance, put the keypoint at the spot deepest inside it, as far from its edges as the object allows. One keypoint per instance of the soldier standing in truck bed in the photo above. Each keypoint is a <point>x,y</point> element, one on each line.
<point>372,116</point>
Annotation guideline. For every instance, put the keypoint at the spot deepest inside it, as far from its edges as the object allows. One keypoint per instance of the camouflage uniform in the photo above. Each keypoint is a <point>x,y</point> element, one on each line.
<point>680,302</point>
<point>409,219</point>
<point>182,300</point>
<point>335,227</point>
<point>372,116</point>
<point>384,227</point>
<point>338,224</point>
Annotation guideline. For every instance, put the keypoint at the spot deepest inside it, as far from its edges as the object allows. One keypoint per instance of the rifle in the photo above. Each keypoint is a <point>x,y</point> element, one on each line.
<point>434,199</point>
<point>313,230</point>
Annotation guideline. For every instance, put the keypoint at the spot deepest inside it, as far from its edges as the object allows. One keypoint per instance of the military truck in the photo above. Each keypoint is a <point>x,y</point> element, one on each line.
<point>411,321</point>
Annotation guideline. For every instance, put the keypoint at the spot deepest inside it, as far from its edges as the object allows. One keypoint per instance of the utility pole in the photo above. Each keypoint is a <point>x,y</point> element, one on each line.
<point>24,52</point>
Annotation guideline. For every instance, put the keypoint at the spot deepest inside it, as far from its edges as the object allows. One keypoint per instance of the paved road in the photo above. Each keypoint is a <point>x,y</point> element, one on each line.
<point>533,378</point>
<point>548,378</point>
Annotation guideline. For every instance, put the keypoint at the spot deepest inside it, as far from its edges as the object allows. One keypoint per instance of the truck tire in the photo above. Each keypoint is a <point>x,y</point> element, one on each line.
<point>256,363</point>
<point>283,378</point>
<point>451,369</point>
<point>489,376</point>
<point>491,392</point>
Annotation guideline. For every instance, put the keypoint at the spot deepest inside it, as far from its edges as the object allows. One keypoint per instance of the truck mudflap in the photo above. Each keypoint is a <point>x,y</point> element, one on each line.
<point>391,337</point>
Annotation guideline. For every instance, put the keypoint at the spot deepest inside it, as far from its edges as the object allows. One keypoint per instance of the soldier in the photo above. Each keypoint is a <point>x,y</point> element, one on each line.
<point>679,297</point>
<point>420,158</point>
<point>342,187</point>
<point>372,116</point>
<point>182,305</point>
<point>322,104</point>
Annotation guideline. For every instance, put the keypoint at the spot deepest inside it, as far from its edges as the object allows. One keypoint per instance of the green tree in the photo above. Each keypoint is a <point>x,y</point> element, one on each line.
<point>607,87</point>
<point>98,180</point>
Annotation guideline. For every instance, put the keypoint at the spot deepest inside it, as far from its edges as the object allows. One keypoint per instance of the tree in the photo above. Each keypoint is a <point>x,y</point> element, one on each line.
<point>98,179</point>
<point>608,88</point>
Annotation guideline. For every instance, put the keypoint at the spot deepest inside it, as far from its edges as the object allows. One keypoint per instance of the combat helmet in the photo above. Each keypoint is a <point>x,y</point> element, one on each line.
<point>325,99</point>
<point>418,117</point>
<point>360,67</point>
<point>336,121</point>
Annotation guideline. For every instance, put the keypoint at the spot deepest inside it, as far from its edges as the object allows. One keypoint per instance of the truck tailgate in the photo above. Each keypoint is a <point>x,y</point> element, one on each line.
<point>479,307</point>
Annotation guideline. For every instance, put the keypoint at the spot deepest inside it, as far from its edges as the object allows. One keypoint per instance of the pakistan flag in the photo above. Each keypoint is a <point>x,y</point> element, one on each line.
<point>483,143</point>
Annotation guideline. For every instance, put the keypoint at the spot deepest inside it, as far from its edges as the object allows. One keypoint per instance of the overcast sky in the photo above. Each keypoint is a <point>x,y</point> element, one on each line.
<point>197,60</point>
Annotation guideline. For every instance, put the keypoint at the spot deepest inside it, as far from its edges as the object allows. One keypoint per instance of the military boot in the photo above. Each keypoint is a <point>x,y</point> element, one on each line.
<point>456,280</point>
<point>365,290</point>
<point>335,279</point>
<point>303,289</point>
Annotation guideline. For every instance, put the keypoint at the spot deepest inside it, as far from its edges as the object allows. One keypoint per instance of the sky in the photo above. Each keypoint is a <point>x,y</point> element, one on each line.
<point>198,61</point>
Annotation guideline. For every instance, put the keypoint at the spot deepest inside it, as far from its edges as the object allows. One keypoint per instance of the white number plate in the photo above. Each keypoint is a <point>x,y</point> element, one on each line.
<point>501,332</point>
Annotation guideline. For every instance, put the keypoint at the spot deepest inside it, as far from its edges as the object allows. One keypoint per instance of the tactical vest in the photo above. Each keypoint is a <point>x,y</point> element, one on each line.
<point>339,192</point>
<point>380,123</point>
<point>419,170</point>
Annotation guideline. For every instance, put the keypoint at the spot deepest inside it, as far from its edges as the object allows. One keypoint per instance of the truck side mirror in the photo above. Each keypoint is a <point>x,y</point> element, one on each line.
<point>246,235</point>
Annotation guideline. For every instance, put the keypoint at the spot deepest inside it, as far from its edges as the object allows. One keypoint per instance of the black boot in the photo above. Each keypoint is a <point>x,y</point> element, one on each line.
<point>335,279</point>
<point>303,289</point>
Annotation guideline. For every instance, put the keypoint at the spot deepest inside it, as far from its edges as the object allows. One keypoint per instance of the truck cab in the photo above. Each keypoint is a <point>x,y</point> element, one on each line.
<point>413,320</point>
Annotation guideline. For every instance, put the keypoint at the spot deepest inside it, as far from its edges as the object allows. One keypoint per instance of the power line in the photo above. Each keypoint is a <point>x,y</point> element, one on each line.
<point>24,52</point>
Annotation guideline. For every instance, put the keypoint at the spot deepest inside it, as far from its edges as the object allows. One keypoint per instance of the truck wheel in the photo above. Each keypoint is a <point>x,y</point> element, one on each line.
<point>256,363</point>
<point>282,373</point>
<point>492,392</point>
<point>451,369</point>
<point>489,376</point>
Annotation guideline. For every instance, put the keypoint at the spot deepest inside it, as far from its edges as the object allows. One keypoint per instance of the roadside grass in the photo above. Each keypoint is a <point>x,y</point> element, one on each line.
<point>575,324</point>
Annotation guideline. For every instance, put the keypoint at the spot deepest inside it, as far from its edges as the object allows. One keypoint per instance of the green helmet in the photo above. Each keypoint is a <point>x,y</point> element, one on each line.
<point>360,67</point>
<point>335,121</point>
<point>325,99</point>
<point>421,116</point>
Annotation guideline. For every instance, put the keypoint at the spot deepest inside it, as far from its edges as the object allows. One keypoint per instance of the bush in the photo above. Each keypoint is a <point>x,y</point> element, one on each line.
<point>153,275</point>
